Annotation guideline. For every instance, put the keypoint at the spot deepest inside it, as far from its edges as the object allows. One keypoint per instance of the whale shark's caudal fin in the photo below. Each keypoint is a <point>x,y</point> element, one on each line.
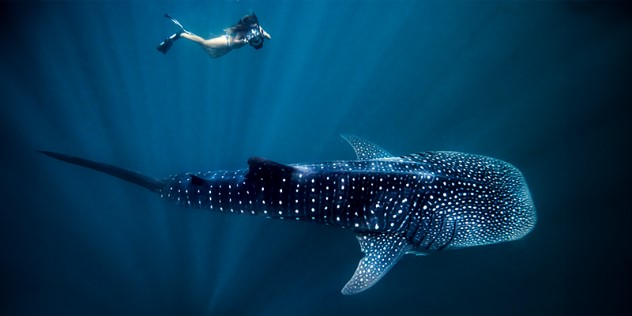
<point>127,175</point>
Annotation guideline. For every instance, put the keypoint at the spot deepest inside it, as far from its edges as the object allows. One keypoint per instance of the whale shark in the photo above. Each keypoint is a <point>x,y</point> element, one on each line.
<point>417,204</point>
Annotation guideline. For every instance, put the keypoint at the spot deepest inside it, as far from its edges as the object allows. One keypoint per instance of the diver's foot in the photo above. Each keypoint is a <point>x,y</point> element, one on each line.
<point>179,33</point>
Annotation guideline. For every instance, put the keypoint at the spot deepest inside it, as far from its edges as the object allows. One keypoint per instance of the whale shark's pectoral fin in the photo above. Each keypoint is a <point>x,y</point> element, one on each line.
<point>364,149</point>
<point>381,252</point>
<point>416,253</point>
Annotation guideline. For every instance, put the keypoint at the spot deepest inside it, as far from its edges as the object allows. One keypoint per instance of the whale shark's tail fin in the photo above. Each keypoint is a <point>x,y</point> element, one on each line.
<point>127,175</point>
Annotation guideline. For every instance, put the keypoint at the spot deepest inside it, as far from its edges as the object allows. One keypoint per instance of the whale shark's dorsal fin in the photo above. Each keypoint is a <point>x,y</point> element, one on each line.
<point>381,252</point>
<point>267,169</point>
<point>197,180</point>
<point>364,149</point>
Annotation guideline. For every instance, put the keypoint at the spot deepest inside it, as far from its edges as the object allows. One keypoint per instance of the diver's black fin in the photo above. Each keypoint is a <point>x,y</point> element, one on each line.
<point>167,43</point>
<point>124,174</point>
<point>176,22</point>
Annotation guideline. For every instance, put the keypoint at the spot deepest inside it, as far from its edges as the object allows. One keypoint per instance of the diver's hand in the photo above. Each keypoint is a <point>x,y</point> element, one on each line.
<point>265,34</point>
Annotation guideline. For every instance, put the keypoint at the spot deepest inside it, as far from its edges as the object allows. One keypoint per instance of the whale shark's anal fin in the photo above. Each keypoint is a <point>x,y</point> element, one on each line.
<point>381,252</point>
<point>364,149</point>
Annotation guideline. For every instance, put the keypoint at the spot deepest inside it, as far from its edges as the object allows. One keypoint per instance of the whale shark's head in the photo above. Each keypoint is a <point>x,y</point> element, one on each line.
<point>521,211</point>
<point>491,202</point>
<point>512,214</point>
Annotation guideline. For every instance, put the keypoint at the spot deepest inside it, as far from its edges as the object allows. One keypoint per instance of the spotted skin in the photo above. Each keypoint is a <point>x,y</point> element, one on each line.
<point>418,203</point>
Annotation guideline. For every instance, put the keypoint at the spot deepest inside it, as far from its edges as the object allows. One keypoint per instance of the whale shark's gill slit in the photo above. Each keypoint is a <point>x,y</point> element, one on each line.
<point>416,220</point>
<point>412,228</point>
<point>436,234</point>
<point>410,231</point>
<point>454,227</point>
<point>427,222</point>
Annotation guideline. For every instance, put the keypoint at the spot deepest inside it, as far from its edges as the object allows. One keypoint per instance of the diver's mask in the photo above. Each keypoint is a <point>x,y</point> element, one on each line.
<point>255,37</point>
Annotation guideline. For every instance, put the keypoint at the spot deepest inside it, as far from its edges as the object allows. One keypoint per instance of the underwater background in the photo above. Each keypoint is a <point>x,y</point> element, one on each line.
<point>545,86</point>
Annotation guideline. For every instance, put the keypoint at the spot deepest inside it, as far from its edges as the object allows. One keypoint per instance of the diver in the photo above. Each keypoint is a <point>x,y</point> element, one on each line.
<point>246,31</point>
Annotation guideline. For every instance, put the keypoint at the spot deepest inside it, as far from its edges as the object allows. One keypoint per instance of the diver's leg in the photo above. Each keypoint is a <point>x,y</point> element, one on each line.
<point>216,42</point>
<point>193,37</point>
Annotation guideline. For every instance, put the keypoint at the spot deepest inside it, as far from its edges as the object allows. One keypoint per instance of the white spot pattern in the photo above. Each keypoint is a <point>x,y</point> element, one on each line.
<point>410,204</point>
<point>425,202</point>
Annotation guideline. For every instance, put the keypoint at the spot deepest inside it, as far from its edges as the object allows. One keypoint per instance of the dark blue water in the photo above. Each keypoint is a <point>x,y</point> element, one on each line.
<point>542,85</point>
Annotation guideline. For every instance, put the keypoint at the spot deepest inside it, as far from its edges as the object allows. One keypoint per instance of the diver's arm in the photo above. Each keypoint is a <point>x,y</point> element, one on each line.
<point>238,41</point>
<point>265,34</point>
